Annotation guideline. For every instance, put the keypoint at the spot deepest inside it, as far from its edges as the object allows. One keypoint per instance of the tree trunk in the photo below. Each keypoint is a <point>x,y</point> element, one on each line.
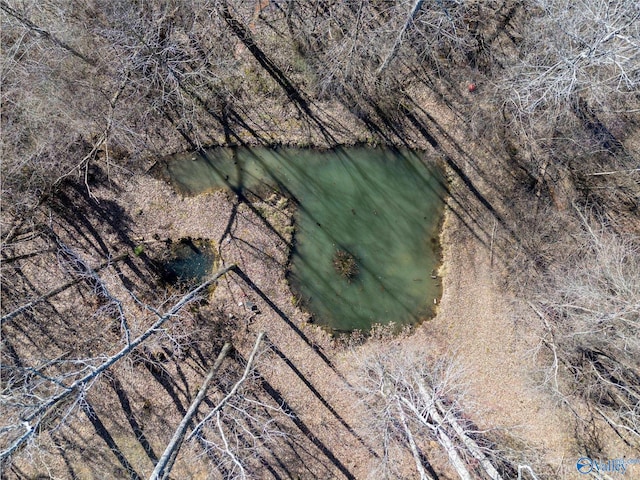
<point>398,42</point>
<point>79,385</point>
<point>165,463</point>
<point>235,388</point>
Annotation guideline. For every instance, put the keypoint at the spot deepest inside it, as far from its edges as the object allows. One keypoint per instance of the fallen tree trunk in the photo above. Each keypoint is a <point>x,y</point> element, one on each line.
<point>166,461</point>
<point>414,448</point>
<point>82,383</point>
<point>471,445</point>
<point>235,388</point>
<point>444,439</point>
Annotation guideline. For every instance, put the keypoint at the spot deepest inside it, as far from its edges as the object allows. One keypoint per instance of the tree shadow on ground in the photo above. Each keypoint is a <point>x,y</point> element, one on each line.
<point>302,427</point>
<point>87,220</point>
<point>131,418</point>
<point>245,278</point>
<point>103,433</point>
<point>322,400</point>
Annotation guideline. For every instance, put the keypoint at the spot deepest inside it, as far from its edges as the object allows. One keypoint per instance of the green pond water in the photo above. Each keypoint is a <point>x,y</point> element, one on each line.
<point>382,207</point>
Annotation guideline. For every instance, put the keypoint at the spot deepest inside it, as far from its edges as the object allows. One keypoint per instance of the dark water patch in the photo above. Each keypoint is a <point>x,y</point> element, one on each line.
<point>188,261</point>
<point>380,208</point>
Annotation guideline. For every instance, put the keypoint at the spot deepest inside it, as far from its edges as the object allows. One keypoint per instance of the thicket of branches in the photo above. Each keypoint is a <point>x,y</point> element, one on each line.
<point>419,406</point>
<point>568,90</point>
<point>590,309</point>
<point>99,85</point>
<point>113,81</point>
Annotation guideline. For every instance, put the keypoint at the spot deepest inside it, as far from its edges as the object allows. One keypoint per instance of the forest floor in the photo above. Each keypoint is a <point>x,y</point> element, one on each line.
<point>131,412</point>
<point>309,369</point>
<point>478,323</point>
<point>475,324</point>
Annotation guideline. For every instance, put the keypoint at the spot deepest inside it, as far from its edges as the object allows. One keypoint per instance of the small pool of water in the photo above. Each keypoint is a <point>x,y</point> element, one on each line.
<point>189,261</point>
<point>382,208</point>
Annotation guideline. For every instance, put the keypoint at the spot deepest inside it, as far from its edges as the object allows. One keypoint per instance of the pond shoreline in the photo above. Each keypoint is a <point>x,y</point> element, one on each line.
<point>466,311</point>
<point>368,203</point>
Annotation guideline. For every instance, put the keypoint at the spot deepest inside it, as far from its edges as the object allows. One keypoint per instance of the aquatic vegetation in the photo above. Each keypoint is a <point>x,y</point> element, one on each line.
<point>345,264</point>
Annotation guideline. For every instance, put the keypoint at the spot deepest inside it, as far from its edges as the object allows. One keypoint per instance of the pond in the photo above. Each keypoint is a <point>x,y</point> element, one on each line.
<point>367,225</point>
<point>188,261</point>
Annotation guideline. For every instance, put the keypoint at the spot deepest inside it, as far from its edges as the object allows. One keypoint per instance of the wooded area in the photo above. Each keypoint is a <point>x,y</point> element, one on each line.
<point>533,108</point>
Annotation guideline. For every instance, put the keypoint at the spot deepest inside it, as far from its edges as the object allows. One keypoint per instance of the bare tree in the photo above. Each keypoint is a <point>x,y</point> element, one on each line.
<point>166,461</point>
<point>39,397</point>
<point>587,49</point>
<point>353,41</point>
<point>244,422</point>
<point>418,399</point>
<point>590,309</point>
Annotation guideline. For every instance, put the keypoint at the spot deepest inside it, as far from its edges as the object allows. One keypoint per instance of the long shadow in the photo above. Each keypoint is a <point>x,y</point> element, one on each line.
<point>268,259</point>
<point>237,118</point>
<point>454,166</point>
<point>244,35</point>
<point>65,457</point>
<point>352,102</point>
<point>43,329</point>
<point>213,456</point>
<point>322,400</point>
<point>601,134</point>
<point>70,470</point>
<point>455,205</point>
<point>165,380</point>
<point>247,444</point>
<point>238,190</point>
<point>79,215</point>
<point>76,223</point>
<point>238,271</point>
<point>255,432</point>
<point>108,439</point>
<point>135,426</point>
<point>223,119</point>
<point>278,185</point>
<point>393,125</point>
<point>8,347</point>
<point>177,363</point>
<point>298,446</point>
<point>279,399</point>
<point>422,128</point>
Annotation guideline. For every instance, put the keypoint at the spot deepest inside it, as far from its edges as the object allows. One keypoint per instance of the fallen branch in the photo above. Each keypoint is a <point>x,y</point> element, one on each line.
<point>414,448</point>
<point>165,463</point>
<point>57,290</point>
<point>527,468</point>
<point>444,439</point>
<point>81,383</point>
<point>441,418</point>
<point>235,388</point>
<point>471,445</point>
<point>613,172</point>
<point>398,42</point>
